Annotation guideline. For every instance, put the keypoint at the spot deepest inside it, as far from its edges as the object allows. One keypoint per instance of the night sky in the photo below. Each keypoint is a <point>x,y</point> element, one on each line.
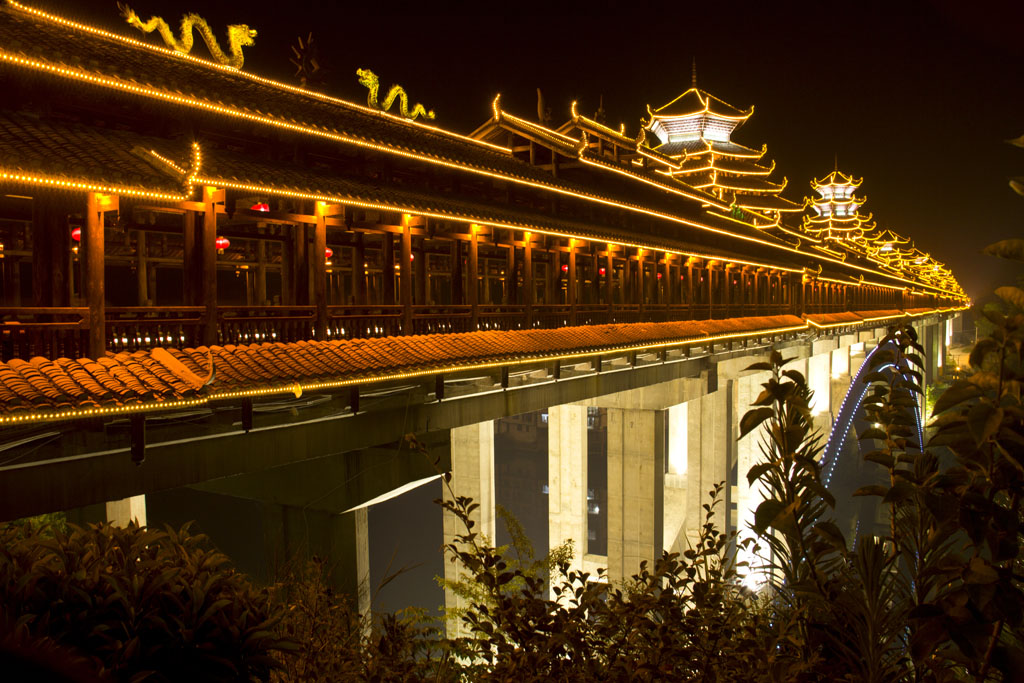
<point>918,98</point>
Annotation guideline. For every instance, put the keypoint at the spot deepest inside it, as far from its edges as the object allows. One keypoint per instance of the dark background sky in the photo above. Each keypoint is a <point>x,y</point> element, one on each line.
<point>916,97</point>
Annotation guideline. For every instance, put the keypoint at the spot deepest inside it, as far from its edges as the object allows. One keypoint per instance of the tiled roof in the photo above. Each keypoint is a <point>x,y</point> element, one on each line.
<point>701,146</point>
<point>770,201</point>
<point>221,167</point>
<point>147,377</point>
<point>33,145</point>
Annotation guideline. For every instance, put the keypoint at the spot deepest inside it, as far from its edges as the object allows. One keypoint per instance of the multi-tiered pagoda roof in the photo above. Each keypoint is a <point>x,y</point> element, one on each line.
<point>696,129</point>
<point>835,213</point>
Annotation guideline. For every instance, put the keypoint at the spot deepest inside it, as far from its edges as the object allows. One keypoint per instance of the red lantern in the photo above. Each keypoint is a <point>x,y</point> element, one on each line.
<point>329,252</point>
<point>260,206</point>
<point>565,267</point>
<point>659,276</point>
<point>221,243</point>
<point>76,234</point>
<point>602,270</point>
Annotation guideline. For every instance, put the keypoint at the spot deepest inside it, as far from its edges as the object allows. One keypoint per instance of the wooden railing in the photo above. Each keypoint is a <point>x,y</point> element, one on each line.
<point>130,328</point>
<point>48,332</point>
<point>63,332</point>
<point>256,324</point>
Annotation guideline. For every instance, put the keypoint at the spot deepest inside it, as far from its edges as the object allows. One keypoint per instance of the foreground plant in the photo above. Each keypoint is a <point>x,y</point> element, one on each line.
<point>137,603</point>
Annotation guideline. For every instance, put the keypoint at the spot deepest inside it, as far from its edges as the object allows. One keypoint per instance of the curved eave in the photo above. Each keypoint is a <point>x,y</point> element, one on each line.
<point>836,179</point>
<point>695,101</point>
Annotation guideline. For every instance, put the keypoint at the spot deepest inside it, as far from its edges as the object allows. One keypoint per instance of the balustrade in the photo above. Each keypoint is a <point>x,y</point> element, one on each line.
<point>56,332</point>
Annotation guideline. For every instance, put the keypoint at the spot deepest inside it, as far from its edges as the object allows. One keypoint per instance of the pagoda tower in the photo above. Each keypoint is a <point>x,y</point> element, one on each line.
<point>696,129</point>
<point>835,215</point>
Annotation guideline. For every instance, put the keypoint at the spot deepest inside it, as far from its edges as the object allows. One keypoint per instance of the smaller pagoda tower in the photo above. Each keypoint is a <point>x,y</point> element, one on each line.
<point>835,215</point>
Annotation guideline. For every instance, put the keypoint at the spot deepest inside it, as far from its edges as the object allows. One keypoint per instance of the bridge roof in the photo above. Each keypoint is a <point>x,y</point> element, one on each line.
<point>101,66</point>
<point>43,390</point>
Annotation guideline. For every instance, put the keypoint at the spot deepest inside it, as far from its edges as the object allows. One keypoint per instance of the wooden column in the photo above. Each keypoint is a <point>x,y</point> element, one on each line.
<point>570,284</point>
<point>421,292</point>
<point>473,279</point>
<point>528,286</point>
<point>689,286</point>
<point>509,290</point>
<point>92,238</point>
<point>638,286</point>
<point>388,269</point>
<point>261,273</point>
<point>666,281</point>
<point>710,278</point>
<point>406,274</point>
<point>741,292</point>
<point>300,265</point>
<point>609,282</point>
<point>288,267</point>
<point>141,279</point>
<point>319,259</point>
<point>457,277</point>
<point>51,249</point>
<point>757,292</point>
<point>359,270</point>
<point>190,258</point>
<point>208,263</point>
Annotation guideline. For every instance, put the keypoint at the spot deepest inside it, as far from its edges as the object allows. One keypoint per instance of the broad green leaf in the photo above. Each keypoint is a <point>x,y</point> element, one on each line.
<point>1017,186</point>
<point>882,458</point>
<point>831,533</point>
<point>766,513</point>
<point>1012,249</point>
<point>956,394</point>
<point>1011,295</point>
<point>1017,142</point>
<point>899,492</point>
<point>982,349</point>
<point>752,419</point>
<point>757,470</point>
<point>983,420</point>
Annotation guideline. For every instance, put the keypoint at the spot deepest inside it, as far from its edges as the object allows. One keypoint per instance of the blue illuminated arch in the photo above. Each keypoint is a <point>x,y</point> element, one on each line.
<point>851,409</point>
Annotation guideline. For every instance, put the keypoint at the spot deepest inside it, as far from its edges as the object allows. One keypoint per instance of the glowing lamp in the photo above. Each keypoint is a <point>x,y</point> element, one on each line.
<point>659,276</point>
<point>602,271</point>
<point>565,267</point>
<point>76,234</point>
<point>260,206</point>
<point>328,252</point>
<point>221,243</point>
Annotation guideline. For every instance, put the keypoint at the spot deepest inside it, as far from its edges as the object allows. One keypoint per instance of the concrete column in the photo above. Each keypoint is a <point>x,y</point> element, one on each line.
<point>567,479</point>
<point>121,512</point>
<point>748,454</point>
<point>361,524</point>
<point>472,454</point>
<point>819,375</point>
<point>708,432</point>
<point>636,475</point>
<point>676,478</point>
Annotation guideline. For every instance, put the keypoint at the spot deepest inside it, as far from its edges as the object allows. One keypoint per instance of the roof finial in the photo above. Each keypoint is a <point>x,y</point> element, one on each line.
<point>693,74</point>
<point>836,167</point>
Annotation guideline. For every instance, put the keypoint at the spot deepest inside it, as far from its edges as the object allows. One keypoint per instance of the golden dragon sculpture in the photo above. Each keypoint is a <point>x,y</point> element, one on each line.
<point>239,35</point>
<point>369,79</point>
